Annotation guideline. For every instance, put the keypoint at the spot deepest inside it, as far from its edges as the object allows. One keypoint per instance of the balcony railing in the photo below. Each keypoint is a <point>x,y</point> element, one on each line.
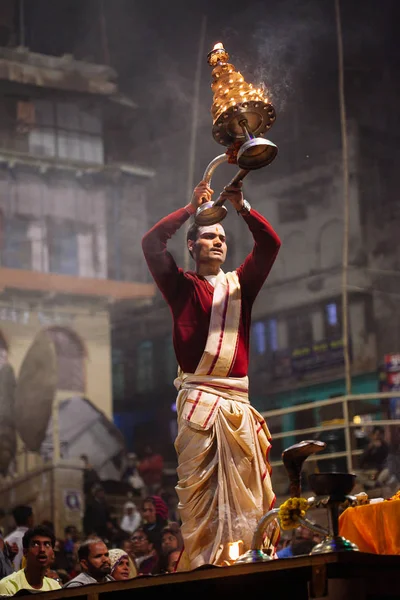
<point>345,435</point>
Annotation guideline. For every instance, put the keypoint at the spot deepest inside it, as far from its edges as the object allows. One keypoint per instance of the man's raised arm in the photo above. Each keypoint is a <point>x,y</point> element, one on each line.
<point>257,265</point>
<point>161,264</point>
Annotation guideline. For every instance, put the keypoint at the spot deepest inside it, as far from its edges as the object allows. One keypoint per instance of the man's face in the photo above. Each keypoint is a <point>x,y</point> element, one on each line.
<point>210,246</point>
<point>40,552</point>
<point>98,563</point>
<point>140,544</point>
<point>149,512</point>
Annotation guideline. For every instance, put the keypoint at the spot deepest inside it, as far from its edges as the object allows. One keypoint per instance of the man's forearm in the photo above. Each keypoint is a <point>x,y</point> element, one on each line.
<point>161,263</point>
<point>155,240</point>
<point>257,265</point>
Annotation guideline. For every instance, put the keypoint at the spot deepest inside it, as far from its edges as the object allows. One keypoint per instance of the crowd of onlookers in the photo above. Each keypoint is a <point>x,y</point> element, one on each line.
<point>145,542</point>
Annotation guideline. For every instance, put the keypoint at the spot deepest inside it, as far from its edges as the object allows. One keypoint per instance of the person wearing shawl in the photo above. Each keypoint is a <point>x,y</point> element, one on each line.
<point>155,515</point>
<point>131,518</point>
<point>122,566</point>
<point>224,485</point>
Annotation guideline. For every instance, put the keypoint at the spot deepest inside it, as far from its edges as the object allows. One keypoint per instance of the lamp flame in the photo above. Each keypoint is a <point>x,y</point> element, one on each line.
<point>235,549</point>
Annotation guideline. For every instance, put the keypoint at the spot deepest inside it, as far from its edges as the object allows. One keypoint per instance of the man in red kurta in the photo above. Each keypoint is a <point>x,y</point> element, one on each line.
<point>222,445</point>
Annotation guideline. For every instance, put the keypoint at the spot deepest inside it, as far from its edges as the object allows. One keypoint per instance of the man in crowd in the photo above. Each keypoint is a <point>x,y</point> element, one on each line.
<point>38,548</point>
<point>373,461</point>
<point>23,517</point>
<point>222,445</point>
<point>7,554</point>
<point>144,554</point>
<point>95,563</point>
<point>97,513</point>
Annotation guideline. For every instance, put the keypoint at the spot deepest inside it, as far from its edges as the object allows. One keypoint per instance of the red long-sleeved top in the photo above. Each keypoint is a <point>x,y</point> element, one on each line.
<point>190,295</point>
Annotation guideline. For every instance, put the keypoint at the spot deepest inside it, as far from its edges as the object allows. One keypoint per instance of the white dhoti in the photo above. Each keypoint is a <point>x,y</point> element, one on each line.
<point>224,485</point>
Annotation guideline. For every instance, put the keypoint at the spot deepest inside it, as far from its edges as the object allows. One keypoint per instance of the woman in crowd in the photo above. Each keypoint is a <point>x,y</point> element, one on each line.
<point>155,515</point>
<point>122,567</point>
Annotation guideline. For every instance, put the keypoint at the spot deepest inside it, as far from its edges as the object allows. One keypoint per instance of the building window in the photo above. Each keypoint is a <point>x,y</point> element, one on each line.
<point>17,245</point>
<point>67,130</point>
<point>300,331</point>
<point>264,336</point>
<point>144,371</point>
<point>63,247</point>
<point>70,359</point>
<point>333,320</point>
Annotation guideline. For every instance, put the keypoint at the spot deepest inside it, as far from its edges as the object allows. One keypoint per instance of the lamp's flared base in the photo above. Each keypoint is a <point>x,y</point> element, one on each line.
<point>210,213</point>
<point>252,556</point>
<point>256,153</point>
<point>334,544</point>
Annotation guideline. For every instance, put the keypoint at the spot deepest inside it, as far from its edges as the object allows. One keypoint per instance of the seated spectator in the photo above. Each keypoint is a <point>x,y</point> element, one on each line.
<point>145,555</point>
<point>302,542</point>
<point>7,554</point>
<point>173,557</point>
<point>122,566</point>
<point>97,514</point>
<point>95,563</point>
<point>171,540</point>
<point>23,517</point>
<point>38,544</point>
<point>155,515</point>
<point>373,461</point>
<point>131,519</point>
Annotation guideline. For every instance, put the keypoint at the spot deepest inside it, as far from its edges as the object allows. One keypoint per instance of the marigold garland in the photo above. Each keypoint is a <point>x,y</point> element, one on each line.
<point>396,496</point>
<point>291,510</point>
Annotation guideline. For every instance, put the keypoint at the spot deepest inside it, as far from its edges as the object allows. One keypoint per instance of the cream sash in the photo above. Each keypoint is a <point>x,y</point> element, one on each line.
<point>200,393</point>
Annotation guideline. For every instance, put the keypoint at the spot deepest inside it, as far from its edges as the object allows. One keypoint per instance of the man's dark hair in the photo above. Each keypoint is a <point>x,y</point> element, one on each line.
<point>192,234</point>
<point>39,530</point>
<point>378,429</point>
<point>302,547</point>
<point>84,548</point>
<point>21,515</point>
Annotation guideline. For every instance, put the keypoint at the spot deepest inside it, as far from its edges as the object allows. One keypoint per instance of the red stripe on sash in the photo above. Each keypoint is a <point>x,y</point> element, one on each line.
<point>211,412</point>
<point>221,335</point>
<point>220,386</point>
<point>194,405</point>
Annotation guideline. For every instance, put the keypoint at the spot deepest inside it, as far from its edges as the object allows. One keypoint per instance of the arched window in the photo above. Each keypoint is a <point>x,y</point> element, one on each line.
<point>3,351</point>
<point>70,359</point>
